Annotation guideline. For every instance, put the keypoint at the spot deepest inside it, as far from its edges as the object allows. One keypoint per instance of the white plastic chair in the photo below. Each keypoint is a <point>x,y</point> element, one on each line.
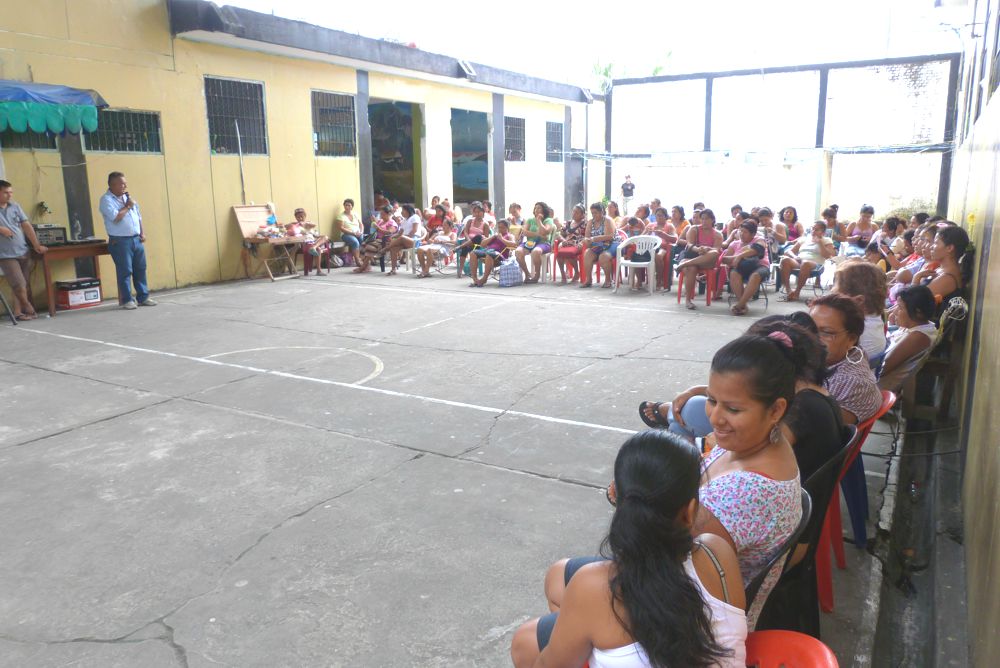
<point>645,243</point>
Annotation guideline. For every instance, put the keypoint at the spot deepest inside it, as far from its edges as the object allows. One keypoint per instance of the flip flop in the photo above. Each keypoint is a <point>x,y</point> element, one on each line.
<point>658,422</point>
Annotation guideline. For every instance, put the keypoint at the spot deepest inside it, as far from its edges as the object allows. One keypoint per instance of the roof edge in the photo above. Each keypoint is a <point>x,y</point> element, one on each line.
<point>203,15</point>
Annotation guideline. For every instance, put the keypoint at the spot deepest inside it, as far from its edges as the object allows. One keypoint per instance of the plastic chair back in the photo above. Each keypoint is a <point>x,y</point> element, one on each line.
<point>794,602</point>
<point>644,243</point>
<point>787,649</point>
<point>782,553</point>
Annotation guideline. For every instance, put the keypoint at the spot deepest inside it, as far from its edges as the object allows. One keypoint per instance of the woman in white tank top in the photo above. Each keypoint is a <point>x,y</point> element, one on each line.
<point>659,598</point>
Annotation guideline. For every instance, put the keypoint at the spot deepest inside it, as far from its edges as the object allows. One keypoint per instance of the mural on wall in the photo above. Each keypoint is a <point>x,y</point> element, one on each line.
<point>469,155</point>
<point>392,149</point>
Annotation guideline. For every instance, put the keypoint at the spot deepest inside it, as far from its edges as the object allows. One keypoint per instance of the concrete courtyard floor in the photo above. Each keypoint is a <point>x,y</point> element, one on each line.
<point>334,471</point>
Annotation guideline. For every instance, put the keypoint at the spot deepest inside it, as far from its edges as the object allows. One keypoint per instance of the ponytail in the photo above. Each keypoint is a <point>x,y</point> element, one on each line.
<point>657,475</point>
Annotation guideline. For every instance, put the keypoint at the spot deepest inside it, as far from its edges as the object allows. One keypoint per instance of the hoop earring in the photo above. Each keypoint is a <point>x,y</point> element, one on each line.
<point>775,434</point>
<point>861,355</point>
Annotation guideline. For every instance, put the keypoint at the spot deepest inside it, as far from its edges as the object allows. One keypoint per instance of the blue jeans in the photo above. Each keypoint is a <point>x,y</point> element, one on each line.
<point>130,263</point>
<point>694,416</point>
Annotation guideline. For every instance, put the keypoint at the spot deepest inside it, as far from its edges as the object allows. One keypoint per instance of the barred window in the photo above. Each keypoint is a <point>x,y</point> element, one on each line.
<point>126,131</point>
<point>513,139</point>
<point>230,102</point>
<point>10,140</point>
<point>333,124</point>
<point>553,142</point>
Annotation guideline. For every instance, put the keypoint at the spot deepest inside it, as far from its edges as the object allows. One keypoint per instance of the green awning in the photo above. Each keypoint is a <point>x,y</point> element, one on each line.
<point>54,108</point>
<point>42,117</point>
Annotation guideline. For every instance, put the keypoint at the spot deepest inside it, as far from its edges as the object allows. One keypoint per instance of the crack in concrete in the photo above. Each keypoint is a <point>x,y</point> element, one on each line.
<point>166,636</point>
<point>84,425</point>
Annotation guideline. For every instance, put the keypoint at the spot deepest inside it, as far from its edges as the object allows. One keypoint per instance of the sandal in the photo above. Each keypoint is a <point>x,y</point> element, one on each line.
<point>656,422</point>
<point>585,285</point>
<point>690,306</point>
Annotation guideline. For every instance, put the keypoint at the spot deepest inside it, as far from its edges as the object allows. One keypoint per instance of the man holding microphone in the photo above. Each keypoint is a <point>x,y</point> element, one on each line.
<point>124,227</point>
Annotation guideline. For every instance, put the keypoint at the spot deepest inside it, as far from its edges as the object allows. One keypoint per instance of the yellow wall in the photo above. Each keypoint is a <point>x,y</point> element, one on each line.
<point>975,204</point>
<point>124,50</point>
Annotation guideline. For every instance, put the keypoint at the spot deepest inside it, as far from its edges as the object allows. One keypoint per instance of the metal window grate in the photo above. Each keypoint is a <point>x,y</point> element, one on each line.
<point>125,131</point>
<point>333,124</point>
<point>26,141</point>
<point>229,102</point>
<point>553,142</point>
<point>513,139</point>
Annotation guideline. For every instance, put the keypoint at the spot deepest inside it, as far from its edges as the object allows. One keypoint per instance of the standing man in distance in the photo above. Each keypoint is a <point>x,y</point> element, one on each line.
<point>124,226</point>
<point>16,233</point>
<point>628,190</point>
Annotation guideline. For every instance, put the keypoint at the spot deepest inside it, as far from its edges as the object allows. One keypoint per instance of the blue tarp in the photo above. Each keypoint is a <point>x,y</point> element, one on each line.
<point>24,91</point>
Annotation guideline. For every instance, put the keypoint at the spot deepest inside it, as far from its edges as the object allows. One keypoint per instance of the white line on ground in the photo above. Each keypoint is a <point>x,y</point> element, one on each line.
<point>379,366</point>
<point>336,383</point>
<point>441,322</point>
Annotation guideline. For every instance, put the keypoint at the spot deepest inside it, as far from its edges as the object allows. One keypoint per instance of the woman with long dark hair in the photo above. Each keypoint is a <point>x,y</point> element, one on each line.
<point>954,268</point>
<point>658,597</point>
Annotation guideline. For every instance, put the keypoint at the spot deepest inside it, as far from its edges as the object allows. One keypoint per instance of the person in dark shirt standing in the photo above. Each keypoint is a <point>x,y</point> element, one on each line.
<point>628,190</point>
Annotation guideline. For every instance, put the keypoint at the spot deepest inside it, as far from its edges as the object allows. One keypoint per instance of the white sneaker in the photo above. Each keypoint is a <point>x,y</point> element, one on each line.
<point>149,302</point>
<point>129,306</point>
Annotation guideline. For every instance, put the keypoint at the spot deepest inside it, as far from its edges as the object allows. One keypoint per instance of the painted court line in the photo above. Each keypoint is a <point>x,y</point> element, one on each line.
<point>334,383</point>
<point>379,366</point>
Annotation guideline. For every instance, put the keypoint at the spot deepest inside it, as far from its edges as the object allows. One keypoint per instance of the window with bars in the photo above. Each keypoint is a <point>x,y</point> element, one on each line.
<point>230,102</point>
<point>553,142</point>
<point>26,141</point>
<point>125,131</point>
<point>513,139</point>
<point>333,124</point>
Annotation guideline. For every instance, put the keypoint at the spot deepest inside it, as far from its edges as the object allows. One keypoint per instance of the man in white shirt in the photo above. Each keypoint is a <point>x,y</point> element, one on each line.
<point>123,223</point>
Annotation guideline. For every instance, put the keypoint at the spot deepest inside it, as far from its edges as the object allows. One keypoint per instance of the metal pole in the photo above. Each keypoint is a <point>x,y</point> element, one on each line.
<point>239,149</point>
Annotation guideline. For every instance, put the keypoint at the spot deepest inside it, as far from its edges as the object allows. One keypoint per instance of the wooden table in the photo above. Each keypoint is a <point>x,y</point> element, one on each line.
<point>69,252</point>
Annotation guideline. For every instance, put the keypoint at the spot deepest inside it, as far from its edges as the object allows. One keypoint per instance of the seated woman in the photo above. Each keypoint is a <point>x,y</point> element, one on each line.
<point>890,240</point>
<point>351,230</point>
<point>836,229</point>
<point>535,240</point>
<point>376,244</point>
<point>849,380</point>
<point>793,228</point>
<point>495,249</point>
<point>914,338</point>
<point>923,240</point>
<point>612,611</point>
<point>701,252</point>
<point>954,264</point>
<point>313,243</point>
<point>600,243</point>
<point>734,223</point>
<point>804,256</point>
<point>860,232</point>
<point>435,221</point>
<point>747,261</point>
<point>474,230</point>
<point>614,213</point>
<point>686,414</point>
<point>570,241</point>
<point>663,228</point>
<point>751,494</point>
<point>866,285</point>
<point>514,215</point>
<point>439,246</point>
<point>409,235</point>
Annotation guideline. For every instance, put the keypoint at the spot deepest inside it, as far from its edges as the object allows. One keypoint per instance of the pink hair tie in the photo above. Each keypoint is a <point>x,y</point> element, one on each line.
<point>781,338</point>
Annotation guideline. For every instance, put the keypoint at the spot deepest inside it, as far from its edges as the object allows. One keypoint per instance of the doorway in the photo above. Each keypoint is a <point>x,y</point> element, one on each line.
<point>470,170</point>
<point>396,161</point>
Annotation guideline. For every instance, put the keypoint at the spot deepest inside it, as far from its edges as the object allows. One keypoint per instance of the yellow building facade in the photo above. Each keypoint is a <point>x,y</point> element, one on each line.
<point>136,56</point>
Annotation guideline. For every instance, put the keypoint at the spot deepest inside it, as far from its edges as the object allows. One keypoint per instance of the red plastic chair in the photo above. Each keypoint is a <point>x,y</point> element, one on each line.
<point>710,284</point>
<point>787,649</point>
<point>833,533</point>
